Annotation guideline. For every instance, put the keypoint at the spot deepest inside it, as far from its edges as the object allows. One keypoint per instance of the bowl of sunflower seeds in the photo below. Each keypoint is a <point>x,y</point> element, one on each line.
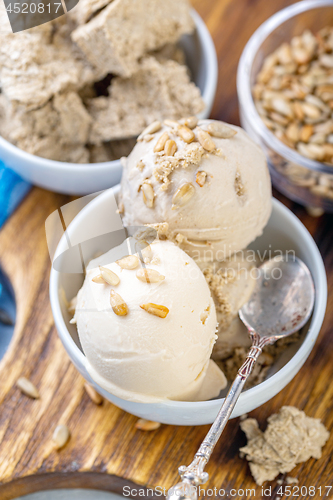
<point>285,91</point>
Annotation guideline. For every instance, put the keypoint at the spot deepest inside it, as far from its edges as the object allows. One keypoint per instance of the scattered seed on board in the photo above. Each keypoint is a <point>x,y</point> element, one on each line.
<point>28,388</point>
<point>149,275</point>
<point>183,195</point>
<point>109,276</point>
<point>155,309</point>
<point>118,305</point>
<point>147,425</point>
<point>171,123</point>
<point>129,262</point>
<point>93,394</point>
<point>61,436</point>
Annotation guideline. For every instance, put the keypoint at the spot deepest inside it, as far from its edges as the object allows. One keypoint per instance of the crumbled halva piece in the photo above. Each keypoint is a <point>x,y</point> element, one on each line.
<point>291,437</point>
<point>158,90</point>
<point>85,10</point>
<point>125,30</point>
<point>47,82</point>
<point>38,63</point>
<point>58,130</point>
<point>170,51</point>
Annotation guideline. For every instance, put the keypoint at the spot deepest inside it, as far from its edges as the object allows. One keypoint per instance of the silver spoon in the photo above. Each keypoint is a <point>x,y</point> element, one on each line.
<point>281,304</point>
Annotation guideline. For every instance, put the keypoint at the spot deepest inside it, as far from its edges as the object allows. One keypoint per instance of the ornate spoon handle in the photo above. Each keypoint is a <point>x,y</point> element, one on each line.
<point>194,475</point>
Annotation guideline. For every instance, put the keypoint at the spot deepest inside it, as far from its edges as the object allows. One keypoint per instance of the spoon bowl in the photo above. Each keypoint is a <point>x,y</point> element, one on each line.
<point>282,300</point>
<point>280,304</point>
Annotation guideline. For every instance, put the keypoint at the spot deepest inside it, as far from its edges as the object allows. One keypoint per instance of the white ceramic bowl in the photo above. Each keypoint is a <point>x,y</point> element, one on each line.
<point>283,232</point>
<point>79,179</point>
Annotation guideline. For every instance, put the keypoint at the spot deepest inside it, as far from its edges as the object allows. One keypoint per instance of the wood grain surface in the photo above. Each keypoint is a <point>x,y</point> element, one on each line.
<point>104,439</point>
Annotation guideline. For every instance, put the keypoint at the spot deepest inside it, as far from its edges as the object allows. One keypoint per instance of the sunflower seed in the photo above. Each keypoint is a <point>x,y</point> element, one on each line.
<point>317,102</point>
<point>325,127</point>
<point>61,436</point>
<point>118,305</point>
<point>301,55</point>
<point>298,110</point>
<point>311,111</point>
<point>28,388</point>
<point>277,118</point>
<point>147,425</point>
<point>155,309</point>
<point>328,150</point>
<point>186,134</point>
<point>318,138</point>
<point>93,394</point>
<point>149,276</point>
<point>312,151</point>
<point>183,195</point>
<point>159,146</point>
<point>293,132</point>
<point>284,54</point>
<point>190,122</point>
<point>148,137</point>
<point>326,60</point>
<point>151,129</point>
<point>205,140</point>
<point>140,165</point>
<point>99,279</point>
<point>109,276</point>
<point>201,177</point>
<point>171,123</point>
<point>170,148</point>
<point>305,133</point>
<point>283,107</point>
<point>218,129</point>
<point>148,194</point>
<point>129,262</point>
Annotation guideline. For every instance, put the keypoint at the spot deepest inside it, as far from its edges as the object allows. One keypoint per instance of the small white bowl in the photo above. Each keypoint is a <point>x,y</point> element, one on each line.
<point>85,178</point>
<point>283,232</point>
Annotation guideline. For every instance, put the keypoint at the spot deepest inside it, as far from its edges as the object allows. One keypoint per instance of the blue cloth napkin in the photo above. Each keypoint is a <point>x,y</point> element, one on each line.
<point>12,191</point>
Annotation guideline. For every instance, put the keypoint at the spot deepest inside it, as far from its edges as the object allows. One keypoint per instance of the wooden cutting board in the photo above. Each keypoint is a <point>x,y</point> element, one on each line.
<point>105,445</point>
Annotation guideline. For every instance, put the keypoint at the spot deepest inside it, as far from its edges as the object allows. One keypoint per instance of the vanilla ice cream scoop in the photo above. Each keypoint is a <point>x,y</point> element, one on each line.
<point>207,187</point>
<point>148,330</point>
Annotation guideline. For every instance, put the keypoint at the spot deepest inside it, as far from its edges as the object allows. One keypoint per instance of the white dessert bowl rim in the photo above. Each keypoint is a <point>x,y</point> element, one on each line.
<point>248,398</point>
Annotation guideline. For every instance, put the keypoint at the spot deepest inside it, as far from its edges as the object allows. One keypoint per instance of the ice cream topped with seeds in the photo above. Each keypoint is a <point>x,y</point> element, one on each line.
<point>204,184</point>
<point>148,325</point>
<point>148,328</point>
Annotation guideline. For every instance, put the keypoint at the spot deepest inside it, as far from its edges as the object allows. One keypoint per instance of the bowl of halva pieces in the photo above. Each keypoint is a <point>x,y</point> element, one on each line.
<point>76,92</point>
